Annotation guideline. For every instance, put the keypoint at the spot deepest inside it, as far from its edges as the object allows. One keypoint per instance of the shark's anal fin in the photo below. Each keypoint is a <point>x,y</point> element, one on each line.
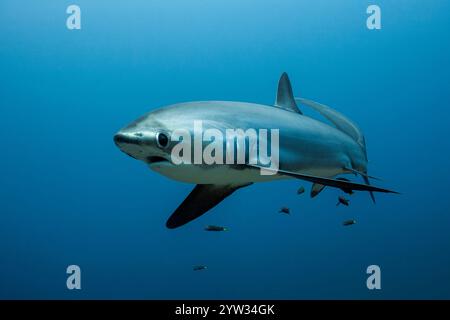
<point>201,199</point>
<point>327,181</point>
<point>285,98</point>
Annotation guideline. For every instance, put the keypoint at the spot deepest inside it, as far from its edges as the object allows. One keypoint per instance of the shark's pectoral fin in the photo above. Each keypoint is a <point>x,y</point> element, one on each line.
<point>316,189</point>
<point>201,199</point>
<point>341,184</point>
<point>347,185</point>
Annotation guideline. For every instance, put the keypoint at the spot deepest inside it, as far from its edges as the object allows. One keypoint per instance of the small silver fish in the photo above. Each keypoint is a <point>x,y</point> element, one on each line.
<point>215,228</point>
<point>199,267</point>
<point>342,200</point>
<point>300,190</point>
<point>348,222</point>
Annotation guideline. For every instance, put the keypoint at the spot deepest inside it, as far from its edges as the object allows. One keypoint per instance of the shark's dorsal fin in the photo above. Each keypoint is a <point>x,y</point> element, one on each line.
<point>285,97</point>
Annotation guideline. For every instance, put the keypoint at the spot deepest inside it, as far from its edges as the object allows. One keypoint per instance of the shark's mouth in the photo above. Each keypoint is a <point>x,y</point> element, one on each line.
<point>156,159</point>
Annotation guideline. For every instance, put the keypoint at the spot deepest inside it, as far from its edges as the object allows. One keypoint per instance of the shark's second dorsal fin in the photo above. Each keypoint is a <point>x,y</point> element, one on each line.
<point>285,98</point>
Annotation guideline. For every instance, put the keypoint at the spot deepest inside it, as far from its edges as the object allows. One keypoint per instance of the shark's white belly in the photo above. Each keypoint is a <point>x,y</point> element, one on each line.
<point>225,174</point>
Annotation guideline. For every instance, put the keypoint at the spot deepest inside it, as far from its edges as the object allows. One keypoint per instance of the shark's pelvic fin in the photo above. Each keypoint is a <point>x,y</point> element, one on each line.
<point>341,184</point>
<point>201,199</point>
<point>285,97</point>
<point>316,189</point>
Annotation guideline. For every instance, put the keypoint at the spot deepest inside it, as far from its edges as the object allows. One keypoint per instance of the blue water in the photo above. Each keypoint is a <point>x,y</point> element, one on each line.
<point>69,196</point>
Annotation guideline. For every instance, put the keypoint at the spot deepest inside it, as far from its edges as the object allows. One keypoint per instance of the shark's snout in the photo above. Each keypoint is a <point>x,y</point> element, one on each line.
<point>123,138</point>
<point>129,143</point>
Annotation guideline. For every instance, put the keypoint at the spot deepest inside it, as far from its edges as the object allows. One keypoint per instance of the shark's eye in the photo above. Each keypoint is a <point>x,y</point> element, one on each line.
<point>162,140</point>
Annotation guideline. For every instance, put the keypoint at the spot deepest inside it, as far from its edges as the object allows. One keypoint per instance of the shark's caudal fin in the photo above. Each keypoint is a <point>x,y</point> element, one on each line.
<point>362,174</point>
<point>285,97</point>
<point>366,180</point>
<point>201,199</point>
<point>345,125</point>
<point>341,184</point>
<point>341,122</point>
